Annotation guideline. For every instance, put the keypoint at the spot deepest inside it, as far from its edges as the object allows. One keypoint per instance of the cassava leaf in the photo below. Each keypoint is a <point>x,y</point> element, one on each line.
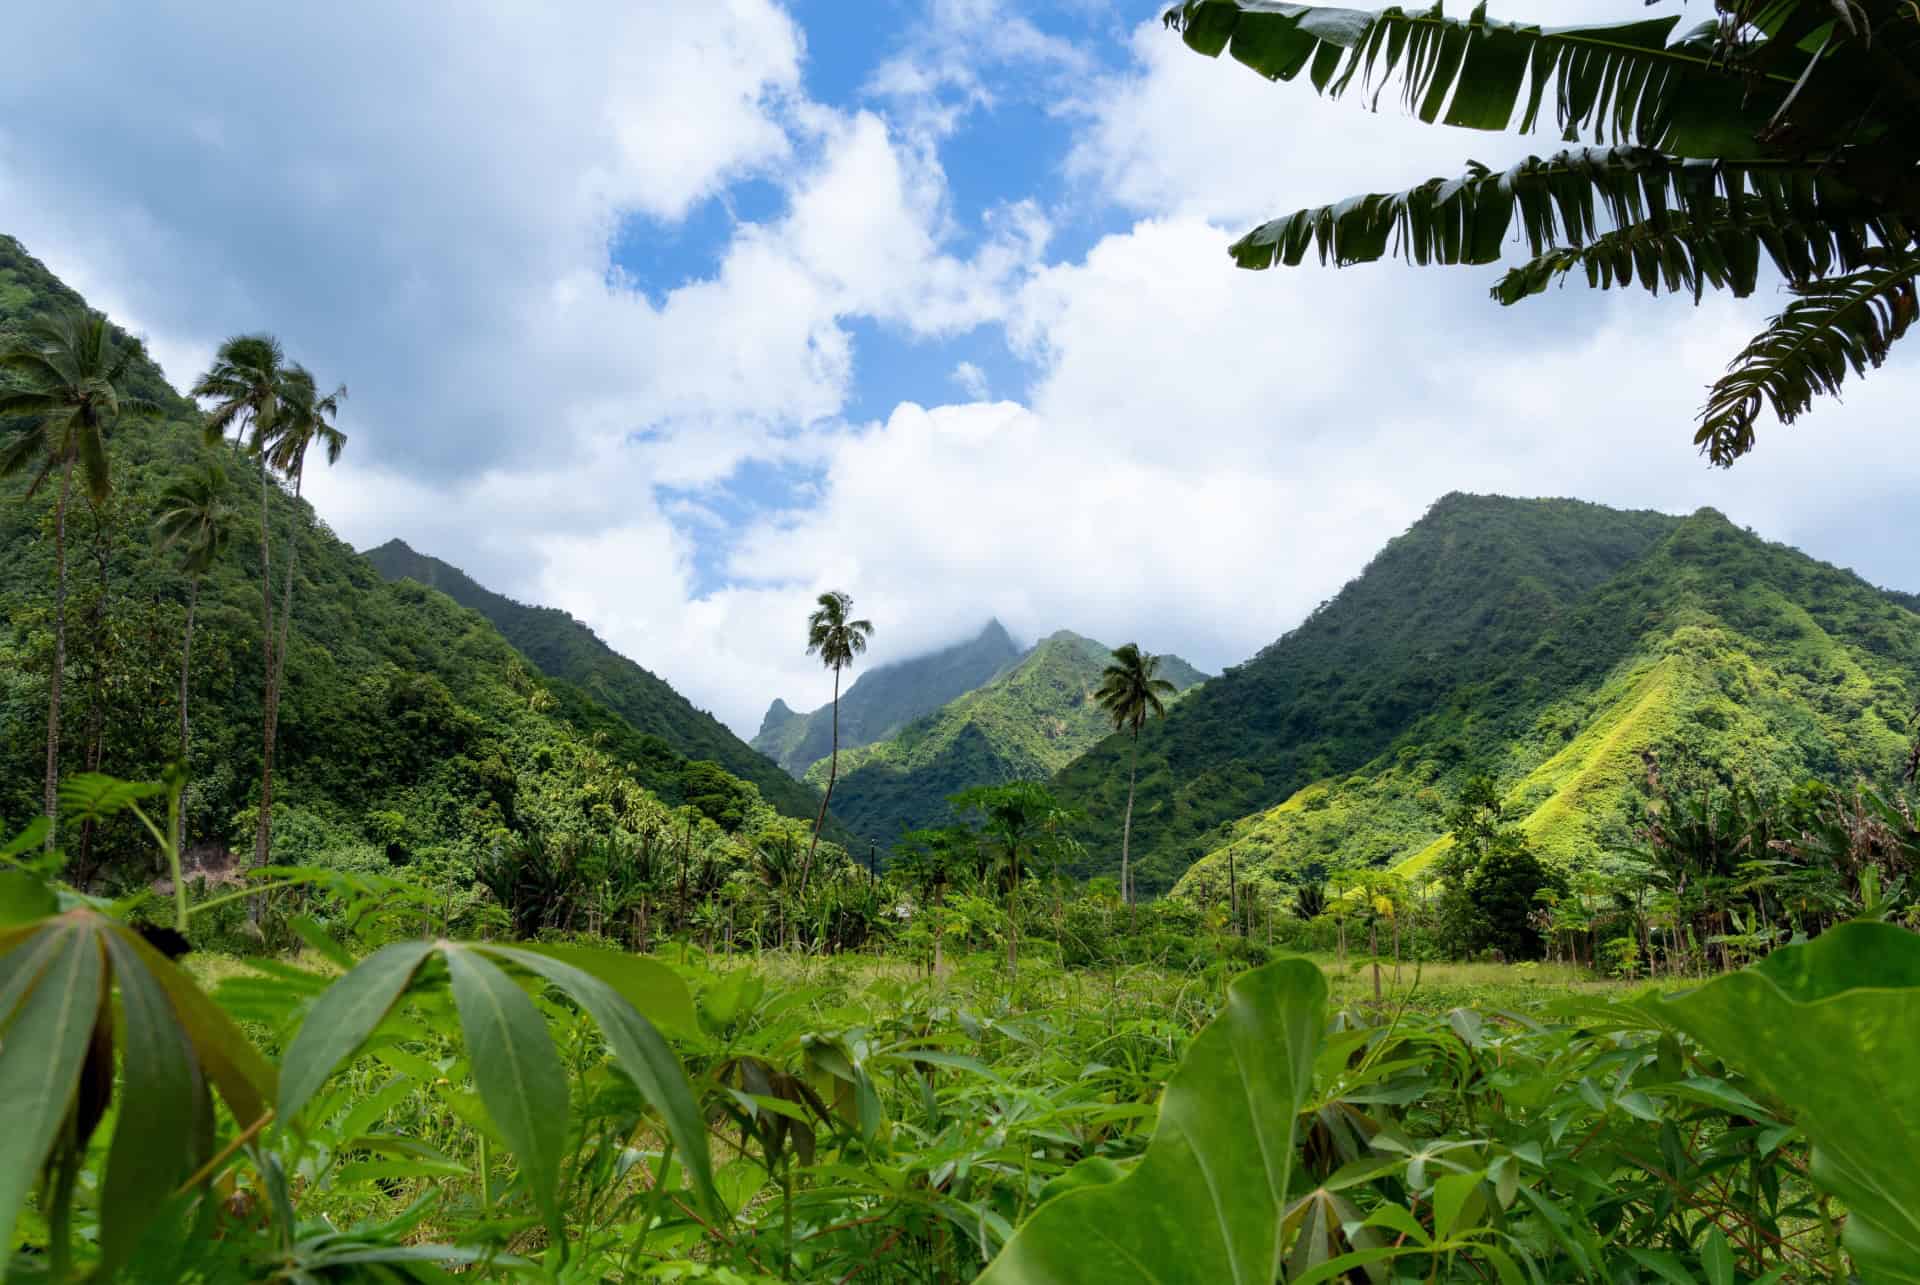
<point>45,1030</point>
<point>655,991</point>
<point>517,1071</point>
<point>245,1079</point>
<point>1207,1200</point>
<point>341,1019</point>
<point>25,897</point>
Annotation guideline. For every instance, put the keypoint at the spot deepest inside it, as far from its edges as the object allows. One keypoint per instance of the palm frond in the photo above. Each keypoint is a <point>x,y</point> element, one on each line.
<point>1834,326</point>
<point>1619,82</point>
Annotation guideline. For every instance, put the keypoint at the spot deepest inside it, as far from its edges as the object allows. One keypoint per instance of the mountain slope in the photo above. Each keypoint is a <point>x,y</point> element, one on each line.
<point>561,647</point>
<point>410,730</point>
<point>1729,657</point>
<point>880,701</point>
<point>1029,721</point>
<point>1452,602</point>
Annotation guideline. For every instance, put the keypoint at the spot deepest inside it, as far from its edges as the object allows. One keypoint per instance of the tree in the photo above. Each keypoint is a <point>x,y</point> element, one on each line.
<point>1015,818</point>
<point>69,391</point>
<point>928,860</point>
<point>1130,693</point>
<point>836,640</point>
<point>194,518</point>
<point>1492,879</point>
<point>247,383</point>
<point>1789,127</point>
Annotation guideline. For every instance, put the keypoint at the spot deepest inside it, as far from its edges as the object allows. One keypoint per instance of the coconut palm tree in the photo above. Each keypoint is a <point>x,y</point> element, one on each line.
<point>836,640</point>
<point>70,390</point>
<point>247,384</point>
<point>305,419</point>
<point>195,518</point>
<point>1130,694</point>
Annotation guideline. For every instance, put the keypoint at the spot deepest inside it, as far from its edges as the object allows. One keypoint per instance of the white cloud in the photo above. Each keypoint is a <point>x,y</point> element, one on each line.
<point>971,380</point>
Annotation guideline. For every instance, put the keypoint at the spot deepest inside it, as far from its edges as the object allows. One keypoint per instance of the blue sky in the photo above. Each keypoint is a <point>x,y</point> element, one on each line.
<point>674,313</point>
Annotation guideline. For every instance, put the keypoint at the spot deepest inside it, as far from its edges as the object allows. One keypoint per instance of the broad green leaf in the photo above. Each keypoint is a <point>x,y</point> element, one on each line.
<point>342,1018</point>
<point>655,991</point>
<point>245,1079</point>
<point>165,1124</point>
<point>517,1072</point>
<point>640,1052</point>
<point>1716,1258</point>
<point>1206,1201</point>
<point>25,897</point>
<point>1828,1028</point>
<point>45,1040</point>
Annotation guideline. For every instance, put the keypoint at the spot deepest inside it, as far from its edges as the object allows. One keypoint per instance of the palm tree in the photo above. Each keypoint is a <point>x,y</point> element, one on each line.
<point>70,377</point>
<point>247,384</point>
<point>305,418</point>
<point>1131,694</point>
<point>195,518</point>
<point>836,640</point>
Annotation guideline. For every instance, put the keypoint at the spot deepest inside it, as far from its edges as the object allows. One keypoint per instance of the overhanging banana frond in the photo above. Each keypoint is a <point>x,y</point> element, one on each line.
<point>1572,198</point>
<point>1840,324</point>
<point>1618,83</point>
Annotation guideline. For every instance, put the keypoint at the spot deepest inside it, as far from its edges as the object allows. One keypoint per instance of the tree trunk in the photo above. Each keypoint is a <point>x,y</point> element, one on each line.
<point>98,660</point>
<point>186,662</point>
<point>1373,949</point>
<point>263,821</point>
<point>59,648</point>
<point>833,770</point>
<point>1126,835</point>
<point>938,932</point>
<point>286,618</point>
<point>1233,896</point>
<point>1013,925</point>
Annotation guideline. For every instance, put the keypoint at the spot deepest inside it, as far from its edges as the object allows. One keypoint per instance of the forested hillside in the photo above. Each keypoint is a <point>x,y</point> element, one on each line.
<point>562,647</point>
<point>1452,603</point>
<point>1732,659</point>
<point>1029,721</point>
<point>410,731</point>
<point>880,701</point>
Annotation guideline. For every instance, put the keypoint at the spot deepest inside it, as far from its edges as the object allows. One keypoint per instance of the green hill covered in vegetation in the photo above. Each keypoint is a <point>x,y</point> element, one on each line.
<point>1030,720</point>
<point>882,700</point>
<point>562,647</point>
<point>1730,658</point>
<point>410,732</point>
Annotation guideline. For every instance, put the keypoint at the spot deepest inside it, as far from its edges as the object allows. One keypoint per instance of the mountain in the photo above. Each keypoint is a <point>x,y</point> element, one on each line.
<point>882,700</point>
<point>410,731</point>
<point>1030,720</point>
<point>561,647</point>
<point>1545,643</point>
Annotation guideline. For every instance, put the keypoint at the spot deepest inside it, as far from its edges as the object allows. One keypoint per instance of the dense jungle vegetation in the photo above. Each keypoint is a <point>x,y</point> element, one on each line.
<point>1543,909</point>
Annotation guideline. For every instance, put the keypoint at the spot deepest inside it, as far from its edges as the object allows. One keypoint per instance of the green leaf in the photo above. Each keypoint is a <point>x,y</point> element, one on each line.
<point>164,1130</point>
<point>25,897</point>
<point>654,990</point>
<point>1827,1028</point>
<point>245,1079</point>
<point>517,1072</point>
<point>1207,1200</point>
<point>1716,1258</point>
<point>45,1031</point>
<point>342,1018</point>
<point>639,1051</point>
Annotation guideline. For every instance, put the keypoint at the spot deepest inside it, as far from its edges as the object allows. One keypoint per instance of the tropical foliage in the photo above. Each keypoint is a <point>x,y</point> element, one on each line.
<point>1775,129</point>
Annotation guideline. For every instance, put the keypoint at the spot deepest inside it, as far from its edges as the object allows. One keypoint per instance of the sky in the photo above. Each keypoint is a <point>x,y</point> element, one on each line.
<point>676,313</point>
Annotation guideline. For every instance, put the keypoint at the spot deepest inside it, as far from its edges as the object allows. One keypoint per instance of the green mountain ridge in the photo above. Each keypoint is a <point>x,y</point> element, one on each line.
<point>880,701</point>
<point>410,731</point>
<point>564,648</point>
<point>1027,722</point>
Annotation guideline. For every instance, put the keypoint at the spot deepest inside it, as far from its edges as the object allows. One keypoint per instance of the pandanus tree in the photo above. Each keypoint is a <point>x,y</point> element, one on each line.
<point>68,389</point>
<point>248,384</point>
<point>194,519</point>
<point>1779,130</point>
<point>1014,819</point>
<point>836,639</point>
<point>1130,694</point>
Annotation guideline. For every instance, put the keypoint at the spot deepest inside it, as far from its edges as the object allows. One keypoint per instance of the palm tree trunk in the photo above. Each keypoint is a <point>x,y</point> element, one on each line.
<point>186,662</point>
<point>1126,834</point>
<point>263,821</point>
<point>1013,925</point>
<point>59,647</point>
<point>833,770</point>
<point>286,614</point>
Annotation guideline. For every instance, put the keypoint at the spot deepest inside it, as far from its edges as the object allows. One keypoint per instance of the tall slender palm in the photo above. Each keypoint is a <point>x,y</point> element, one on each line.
<point>1130,694</point>
<point>247,384</point>
<point>305,419</point>
<point>69,390</point>
<point>194,517</point>
<point>836,640</point>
